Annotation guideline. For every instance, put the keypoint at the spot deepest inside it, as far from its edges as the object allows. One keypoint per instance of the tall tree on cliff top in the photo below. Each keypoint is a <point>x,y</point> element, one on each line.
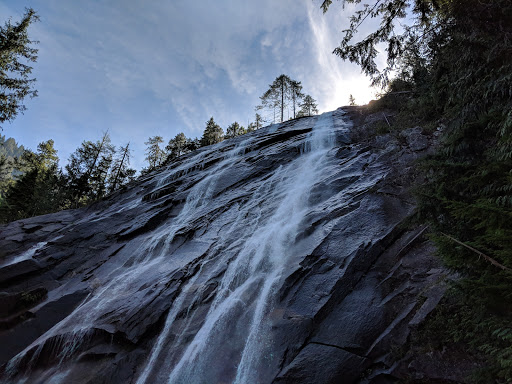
<point>87,170</point>
<point>177,146</point>
<point>234,130</point>
<point>15,54</point>
<point>258,121</point>
<point>120,173</point>
<point>295,93</point>
<point>308,106</point>
<point>278,94</point>
<point>155,155</point>
<point>212,134</point>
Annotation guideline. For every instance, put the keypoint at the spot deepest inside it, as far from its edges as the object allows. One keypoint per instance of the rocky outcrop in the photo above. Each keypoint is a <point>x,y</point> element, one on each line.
<point>278,256</point>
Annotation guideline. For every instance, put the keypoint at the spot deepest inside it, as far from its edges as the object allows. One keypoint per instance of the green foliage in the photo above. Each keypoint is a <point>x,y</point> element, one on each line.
<point>15,52</point>
<point>258,121</point>
<point>463,322</point>
<point>38,190</point>
<point>257,124</point>
<point>177,146</point>
<point>155,155</point>
<point>295,94</point>
<point>454,72</point>
<point>212,134</point>
<point>280,93</point>
<point>87,171</point>
<point>234,130</point>
<point>308,107</point>
<point>120,174</point>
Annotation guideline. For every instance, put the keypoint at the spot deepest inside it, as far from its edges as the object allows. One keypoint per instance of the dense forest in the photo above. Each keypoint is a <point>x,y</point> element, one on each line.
<point>454,74</point>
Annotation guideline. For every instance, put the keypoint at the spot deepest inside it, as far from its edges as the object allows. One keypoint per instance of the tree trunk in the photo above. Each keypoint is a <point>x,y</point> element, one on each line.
<point>120,167</point>
<point>282,99</point>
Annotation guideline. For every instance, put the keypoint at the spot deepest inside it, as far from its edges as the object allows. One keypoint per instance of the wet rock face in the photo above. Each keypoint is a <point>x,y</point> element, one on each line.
<point>276,256</point>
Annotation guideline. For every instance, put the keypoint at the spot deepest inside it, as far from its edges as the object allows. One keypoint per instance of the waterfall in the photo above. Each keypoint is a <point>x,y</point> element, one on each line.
<point>249,285</point>
<point>275,256</point>
<point>249,237</point>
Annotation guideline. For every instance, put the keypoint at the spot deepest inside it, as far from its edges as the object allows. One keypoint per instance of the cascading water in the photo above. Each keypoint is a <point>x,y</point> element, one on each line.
<point>247,272</point>
<point>273,257</point>
<point>255,265</point>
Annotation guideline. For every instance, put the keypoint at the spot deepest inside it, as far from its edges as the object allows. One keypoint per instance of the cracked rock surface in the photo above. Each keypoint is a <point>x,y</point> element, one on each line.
<point>277,256</point>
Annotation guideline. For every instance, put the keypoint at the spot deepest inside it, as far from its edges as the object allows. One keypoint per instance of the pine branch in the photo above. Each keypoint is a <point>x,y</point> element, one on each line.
<point>488,258</point>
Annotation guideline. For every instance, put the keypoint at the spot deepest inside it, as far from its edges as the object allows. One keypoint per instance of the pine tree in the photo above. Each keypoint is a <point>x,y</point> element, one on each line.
<point>192,144</point>
<point>87,170</point>
<point>15,49</point>
<point>120,174</point>
<point>234,130</point>
<point>453,60</point>
<point>258,121</point>
<point>295,93</point>
<point>177,146</point>
<point>213,133</point>
<point>270,100</point>
<point>278,94</point>
<point>154,154</point>
<point>38,190</point>
<point>308,106</point>
<point>6,178</point>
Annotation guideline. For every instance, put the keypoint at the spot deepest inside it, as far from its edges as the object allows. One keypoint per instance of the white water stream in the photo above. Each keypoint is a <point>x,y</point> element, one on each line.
<point>253,273</point>
<point>250,251</point>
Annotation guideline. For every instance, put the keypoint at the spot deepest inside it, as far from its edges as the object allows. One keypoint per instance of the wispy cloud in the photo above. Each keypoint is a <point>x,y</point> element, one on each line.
<point>335,79</point>
<point>146,68</point>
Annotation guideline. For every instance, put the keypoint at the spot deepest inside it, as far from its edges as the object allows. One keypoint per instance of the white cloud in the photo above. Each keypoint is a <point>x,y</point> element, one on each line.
<point>161,67</point>
<point>334,79</point>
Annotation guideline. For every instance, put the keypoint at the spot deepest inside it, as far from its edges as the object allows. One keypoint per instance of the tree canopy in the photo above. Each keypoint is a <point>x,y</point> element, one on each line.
<point>234,130</point>
<point>280,93</point>
<point>212,134</point>
<point>16,53</point>
<point>308,106</point>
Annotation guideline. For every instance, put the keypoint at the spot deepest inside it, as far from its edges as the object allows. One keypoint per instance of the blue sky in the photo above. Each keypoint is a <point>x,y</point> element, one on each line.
<point>144,68</point>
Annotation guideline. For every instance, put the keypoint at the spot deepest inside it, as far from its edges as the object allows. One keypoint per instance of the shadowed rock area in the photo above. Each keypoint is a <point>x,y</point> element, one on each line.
<point>275,257</point>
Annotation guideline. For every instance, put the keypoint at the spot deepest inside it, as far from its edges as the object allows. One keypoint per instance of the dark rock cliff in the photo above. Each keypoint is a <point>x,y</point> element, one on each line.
<point>279,256</point>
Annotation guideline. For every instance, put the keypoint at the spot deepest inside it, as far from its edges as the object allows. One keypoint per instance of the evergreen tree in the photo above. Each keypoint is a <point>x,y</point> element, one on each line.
<point>278,94</point>
<point>98,178</point>
<point>295,93</point>
<point>15,49</point>
<point>120,174</point>
<point>6,177</point>
<point>39,189</point>
<point>308,106</point>
<point>234,130</point>
<point>154,154</point>
<point>270,100</point>
<point>87,170</point>
<point>258,121</point>
<point>192,144</point>
<point>177,146</point>
<point>212,134</point>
